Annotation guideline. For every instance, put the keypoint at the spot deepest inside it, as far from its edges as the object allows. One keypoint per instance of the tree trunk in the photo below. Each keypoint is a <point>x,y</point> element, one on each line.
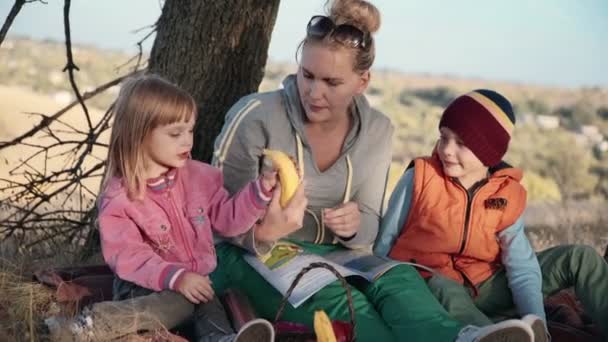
<point>217,51</point>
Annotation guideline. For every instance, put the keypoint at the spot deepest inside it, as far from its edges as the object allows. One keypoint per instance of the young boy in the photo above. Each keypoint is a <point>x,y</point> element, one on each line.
<point>459,212</point>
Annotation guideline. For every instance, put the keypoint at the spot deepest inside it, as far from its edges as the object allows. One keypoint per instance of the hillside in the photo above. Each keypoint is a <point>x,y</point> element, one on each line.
<point>550,120</point>
<point>560,140</point>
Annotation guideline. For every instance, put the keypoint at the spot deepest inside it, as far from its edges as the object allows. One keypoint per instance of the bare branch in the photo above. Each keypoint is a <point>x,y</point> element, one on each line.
<point>70,65</point>
<point>12,15</point>
<point>139,44</point>
<point>47,120</point>
<point>10,18</point>
<point>72,128</point>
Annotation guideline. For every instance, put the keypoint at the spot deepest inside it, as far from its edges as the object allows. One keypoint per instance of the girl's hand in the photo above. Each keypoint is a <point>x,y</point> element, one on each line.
<point>343,220</point>
<point>196,288</point>
<point>268,181</point>
<point>280,222</point>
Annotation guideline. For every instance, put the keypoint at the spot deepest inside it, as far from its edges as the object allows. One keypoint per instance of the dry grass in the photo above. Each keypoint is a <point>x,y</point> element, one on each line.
<point>23,305</point>
<point>576,222</point>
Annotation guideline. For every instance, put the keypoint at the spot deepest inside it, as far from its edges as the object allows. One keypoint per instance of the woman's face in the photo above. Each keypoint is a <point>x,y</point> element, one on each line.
<point>327,82</point>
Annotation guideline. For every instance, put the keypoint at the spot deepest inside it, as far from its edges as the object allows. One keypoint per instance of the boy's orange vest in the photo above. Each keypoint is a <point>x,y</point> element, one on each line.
<point>445,233</point>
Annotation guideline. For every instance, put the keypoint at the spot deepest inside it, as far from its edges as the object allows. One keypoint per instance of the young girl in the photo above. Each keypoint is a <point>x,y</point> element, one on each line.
<point>157,211</point>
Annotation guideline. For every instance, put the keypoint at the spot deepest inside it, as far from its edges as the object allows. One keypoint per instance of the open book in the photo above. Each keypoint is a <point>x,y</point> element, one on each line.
<point>281,265</point>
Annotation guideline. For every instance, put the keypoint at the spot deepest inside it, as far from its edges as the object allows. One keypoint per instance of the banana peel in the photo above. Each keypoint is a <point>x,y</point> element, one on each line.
<point>288,174</point>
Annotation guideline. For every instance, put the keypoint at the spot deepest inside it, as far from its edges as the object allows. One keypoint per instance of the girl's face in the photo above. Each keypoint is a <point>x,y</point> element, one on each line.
<point>167,147</point>
<point>457,160</point>
<point>327,82</point>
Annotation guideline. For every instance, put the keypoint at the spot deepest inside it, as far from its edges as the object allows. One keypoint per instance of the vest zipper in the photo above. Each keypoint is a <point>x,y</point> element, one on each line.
<point>466,221</point>
<point>467,216</point>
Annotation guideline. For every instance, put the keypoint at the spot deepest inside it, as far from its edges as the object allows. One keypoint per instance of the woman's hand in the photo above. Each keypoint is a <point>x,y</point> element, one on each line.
<point>280,222</point>
<point>343,220</point>
<point>195,287</point>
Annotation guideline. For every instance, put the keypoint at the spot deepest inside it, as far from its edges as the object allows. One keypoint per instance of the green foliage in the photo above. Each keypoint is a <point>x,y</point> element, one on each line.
<point>602,113</point>
<point>439,96</point>
<point>541,189</point>
<point>374,91</point>
<point>555,155</point>
<point>578,114</point>
<point>537,106</point>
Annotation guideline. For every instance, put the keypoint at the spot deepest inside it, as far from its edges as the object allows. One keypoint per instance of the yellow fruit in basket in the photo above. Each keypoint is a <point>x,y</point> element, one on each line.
<point>323,328</point>
<point>288,174</point>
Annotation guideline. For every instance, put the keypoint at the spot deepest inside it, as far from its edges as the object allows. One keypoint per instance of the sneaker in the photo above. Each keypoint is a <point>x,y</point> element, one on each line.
<point>512,330</point>
<point>257,330</point>
<point>62,329</point>
<point>538,327</point>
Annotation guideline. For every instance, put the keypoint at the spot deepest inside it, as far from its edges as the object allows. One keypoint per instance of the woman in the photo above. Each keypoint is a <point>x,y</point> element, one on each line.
<point>343,147</point>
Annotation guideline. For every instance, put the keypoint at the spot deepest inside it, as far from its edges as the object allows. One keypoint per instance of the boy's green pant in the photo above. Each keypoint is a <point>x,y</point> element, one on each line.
<point>562,267</point>
<point>396,307</point>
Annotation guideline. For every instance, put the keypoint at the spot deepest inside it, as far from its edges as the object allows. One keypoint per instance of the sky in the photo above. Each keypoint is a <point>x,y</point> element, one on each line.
<point>548,42</point>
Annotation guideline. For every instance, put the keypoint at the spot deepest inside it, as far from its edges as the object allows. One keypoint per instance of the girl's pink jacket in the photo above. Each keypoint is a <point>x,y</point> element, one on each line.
<point>153,242</point>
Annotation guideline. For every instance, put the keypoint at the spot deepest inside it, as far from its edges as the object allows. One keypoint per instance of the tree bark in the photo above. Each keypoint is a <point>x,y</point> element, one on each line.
<point>217,51</point>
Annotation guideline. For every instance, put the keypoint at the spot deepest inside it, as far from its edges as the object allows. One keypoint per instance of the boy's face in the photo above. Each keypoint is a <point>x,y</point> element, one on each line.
<point>457,160</point>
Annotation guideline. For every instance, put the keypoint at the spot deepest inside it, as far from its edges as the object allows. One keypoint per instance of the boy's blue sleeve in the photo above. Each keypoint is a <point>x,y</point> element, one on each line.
<point>523,271</point>
<point>396,213</point>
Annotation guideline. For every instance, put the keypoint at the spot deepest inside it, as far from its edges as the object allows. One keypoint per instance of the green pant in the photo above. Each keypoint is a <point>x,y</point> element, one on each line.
<point>396,307</point>
<point>562,267</point>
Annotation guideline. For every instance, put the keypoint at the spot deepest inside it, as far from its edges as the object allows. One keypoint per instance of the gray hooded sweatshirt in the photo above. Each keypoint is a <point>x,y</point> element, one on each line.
<point>275,120</point>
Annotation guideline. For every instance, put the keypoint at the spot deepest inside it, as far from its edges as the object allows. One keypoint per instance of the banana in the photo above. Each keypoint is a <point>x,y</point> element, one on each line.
<point>288,175</point>
<point>323,328</point>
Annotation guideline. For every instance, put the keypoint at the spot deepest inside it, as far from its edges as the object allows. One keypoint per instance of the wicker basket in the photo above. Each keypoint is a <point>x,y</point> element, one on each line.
<point>308,336</point>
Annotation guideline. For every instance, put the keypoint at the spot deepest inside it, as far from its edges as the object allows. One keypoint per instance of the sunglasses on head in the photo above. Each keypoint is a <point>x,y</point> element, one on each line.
<point>320,26</point>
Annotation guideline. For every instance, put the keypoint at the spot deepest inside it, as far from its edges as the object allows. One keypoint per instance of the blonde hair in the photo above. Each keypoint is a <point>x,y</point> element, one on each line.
<point>143,104</point>
<point>360,14</point>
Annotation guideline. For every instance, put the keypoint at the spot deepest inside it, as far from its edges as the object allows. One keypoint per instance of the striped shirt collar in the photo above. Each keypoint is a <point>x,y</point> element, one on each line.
<point>162,182</point>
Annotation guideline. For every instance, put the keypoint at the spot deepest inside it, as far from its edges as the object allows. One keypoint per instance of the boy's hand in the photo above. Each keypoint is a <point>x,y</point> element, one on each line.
<point>343,220</point>
<point>268,181</point>
<point>196,288</point>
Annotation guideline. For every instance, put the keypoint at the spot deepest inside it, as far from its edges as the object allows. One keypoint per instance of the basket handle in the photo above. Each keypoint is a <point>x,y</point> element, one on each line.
<point>329,267</point>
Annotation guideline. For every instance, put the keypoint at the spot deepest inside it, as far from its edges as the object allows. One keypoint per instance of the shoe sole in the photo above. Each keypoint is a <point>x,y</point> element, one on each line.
<point>538,328</point>
<point>510,334</point>
<point>256,333</point>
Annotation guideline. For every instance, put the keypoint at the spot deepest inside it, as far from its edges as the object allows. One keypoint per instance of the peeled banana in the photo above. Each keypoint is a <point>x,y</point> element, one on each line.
<point>288,175</point>
<point>323,327</point>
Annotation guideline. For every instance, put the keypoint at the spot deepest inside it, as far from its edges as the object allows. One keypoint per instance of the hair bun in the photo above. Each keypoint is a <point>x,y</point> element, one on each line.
<point>358,13</point>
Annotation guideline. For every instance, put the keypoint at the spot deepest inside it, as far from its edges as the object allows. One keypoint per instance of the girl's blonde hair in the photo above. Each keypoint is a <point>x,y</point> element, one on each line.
<point>143,104</point>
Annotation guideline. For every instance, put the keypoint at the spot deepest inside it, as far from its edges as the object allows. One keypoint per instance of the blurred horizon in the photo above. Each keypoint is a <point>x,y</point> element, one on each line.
<point>557,43</point>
